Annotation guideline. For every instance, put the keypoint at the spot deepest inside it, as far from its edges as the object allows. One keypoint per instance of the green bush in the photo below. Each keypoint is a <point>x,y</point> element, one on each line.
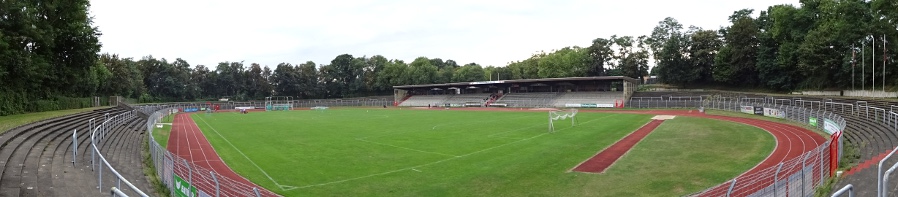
<point>16,102</point>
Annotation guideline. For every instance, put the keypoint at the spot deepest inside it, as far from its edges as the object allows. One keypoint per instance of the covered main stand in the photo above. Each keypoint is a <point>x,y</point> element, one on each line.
<point>597,91</point>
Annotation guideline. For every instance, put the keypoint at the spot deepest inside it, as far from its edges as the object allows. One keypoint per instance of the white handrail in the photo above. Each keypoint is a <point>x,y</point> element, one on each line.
<point>93,144</point>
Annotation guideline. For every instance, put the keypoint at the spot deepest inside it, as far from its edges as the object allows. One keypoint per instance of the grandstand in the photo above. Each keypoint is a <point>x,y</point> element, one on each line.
<point>600,98</point>
<point>528,99</point>
<point>424,100</point>
<point>521,93</point>
<point>476,99</point>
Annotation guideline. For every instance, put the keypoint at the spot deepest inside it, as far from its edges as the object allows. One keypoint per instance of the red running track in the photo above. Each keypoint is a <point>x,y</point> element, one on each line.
<point>188,142</point>
<point>603,160</point>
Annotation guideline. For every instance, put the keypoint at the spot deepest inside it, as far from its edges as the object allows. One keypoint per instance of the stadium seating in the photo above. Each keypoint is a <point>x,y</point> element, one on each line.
<point>530,99</point>
<point>424,100</point>
<point>468,98</point>
<point>37,158</point>
<point>587,97</point>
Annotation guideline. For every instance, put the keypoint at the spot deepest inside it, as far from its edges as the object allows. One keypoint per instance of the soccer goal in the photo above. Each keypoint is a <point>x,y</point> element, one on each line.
<point>319,108</point>
<point>561,115</point>
<point>278,103</point>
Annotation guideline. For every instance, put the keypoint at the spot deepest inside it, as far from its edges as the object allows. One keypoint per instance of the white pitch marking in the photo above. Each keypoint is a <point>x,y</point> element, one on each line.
<point>247,158</point>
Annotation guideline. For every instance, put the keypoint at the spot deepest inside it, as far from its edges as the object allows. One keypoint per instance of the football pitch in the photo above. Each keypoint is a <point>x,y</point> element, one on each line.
<point>393,152</point>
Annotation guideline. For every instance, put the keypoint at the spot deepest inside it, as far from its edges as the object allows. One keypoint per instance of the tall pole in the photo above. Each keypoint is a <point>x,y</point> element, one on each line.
<point>884,51</point>
<point>874,64</point>
<point>853,64</point>
<point>864,65</point>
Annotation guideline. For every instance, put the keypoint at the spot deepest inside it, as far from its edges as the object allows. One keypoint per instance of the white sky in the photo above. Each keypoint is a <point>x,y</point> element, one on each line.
<point>486,32</point>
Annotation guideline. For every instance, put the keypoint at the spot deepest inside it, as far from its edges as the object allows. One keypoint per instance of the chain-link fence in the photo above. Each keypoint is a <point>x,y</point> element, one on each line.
<point>797,176</point>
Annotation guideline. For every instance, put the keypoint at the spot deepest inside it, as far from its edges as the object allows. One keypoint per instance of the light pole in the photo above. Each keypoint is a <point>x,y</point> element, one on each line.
<point>853,64</point>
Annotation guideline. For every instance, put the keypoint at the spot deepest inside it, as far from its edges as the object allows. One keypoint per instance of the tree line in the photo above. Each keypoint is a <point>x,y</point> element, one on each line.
<point>49,56</point>
<point>820,45</point>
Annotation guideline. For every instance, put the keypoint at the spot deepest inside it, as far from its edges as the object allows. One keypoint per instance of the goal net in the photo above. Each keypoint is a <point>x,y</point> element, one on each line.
<point>319,108</point>
<point>278,103</point>
<point>561,115</point>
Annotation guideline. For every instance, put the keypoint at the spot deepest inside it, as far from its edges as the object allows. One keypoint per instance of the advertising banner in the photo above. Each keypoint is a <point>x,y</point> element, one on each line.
<point>812,121</point>
<point>759,111</point>
<point>773,112</point>
<point>605,105</point>
<point>830,126</point>
<point>183,188</point>
<point>747,109</point>
<point>589,105</point>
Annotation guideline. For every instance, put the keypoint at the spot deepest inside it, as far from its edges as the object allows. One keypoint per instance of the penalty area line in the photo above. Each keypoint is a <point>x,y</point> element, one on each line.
<point>247,158</point>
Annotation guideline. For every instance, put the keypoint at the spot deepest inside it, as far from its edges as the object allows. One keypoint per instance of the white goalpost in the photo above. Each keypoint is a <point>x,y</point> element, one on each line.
<point>276,103</point>
<point>561,115</point>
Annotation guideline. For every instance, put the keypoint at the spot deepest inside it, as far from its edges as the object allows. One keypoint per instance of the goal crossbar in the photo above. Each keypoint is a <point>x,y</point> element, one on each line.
<point>561,115</point>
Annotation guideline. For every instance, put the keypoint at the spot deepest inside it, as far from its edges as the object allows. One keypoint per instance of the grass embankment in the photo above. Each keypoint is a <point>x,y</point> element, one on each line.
<point>161,134</point>
<point>377,152</point>
<point>13,121</point>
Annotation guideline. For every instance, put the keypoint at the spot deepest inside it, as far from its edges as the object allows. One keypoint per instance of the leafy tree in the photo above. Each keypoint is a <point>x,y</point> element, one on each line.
<point>674,66</point>
<point>308,79</point>
<point>665,29</point>
<point>599,54</point>
<point>421,71</point>
<point>702,49</point>
<point>737,59</point>
<point>469,72</point>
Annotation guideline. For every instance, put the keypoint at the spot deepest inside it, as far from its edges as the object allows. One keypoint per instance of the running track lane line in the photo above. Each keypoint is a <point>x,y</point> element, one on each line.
<point>190,144</point>
<point>604,159</point>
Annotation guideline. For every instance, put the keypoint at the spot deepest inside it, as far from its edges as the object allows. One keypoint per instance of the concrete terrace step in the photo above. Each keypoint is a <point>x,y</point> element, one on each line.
<point>40,159</point>
<point>43,151</point>
<point>125,147</point>
<point>22,154</point>
<point>129,159</point>
<point>880,138</point>
<point>123,151</point>
<point>872,138</point>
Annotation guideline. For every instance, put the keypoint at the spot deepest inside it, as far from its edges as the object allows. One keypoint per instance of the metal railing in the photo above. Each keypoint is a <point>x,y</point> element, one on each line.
<point>116,192</point>
<point>847,189</point>
<point>100,132</point>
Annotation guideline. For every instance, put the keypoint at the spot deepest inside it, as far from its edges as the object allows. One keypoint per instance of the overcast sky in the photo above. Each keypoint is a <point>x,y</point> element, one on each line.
<point>486,32</point>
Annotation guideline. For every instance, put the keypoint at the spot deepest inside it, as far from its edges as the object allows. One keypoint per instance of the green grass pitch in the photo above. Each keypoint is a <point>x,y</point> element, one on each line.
<point>390,152</point>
